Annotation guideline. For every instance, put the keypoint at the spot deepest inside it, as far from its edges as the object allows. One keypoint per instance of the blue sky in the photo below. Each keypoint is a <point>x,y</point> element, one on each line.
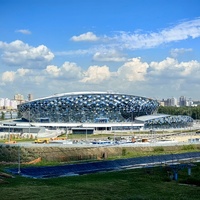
<point>143,47</point>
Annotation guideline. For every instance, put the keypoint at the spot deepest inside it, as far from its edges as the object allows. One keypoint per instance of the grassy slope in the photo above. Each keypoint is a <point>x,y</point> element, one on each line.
<point>126,185</point>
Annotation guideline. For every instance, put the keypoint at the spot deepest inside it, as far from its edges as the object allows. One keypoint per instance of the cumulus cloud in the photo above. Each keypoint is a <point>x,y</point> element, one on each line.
<point>18,53</point>
<point>23,72</point>
<point>109,56</point>
<point>170,67</point>
<point>71,70</point>
<point>177,51</point>
<point>96,74</point>
<point>133,76</point>
<point>11,76</point>
<point>89,36</point>
<point>8,76</point>
<point>167,64</point>
<point>23,31</point>
<point>133,70</point>
<point>52,70</point>
<point>68,70</point>
<point>191,69</point>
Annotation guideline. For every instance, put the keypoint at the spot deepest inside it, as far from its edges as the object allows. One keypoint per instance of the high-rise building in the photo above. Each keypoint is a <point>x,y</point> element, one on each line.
<point>13,104</point>
<point>19,98</point>
<point>30,97</point>
<point>174,101</point>
<point>182,101</point>
<point>7,103</point>
<point>169,102</point>
<point>1,103</point>
<point>189,102</point>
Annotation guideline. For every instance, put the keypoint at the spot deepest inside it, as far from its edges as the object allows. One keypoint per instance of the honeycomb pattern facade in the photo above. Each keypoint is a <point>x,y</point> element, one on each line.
<point>178,121</point>
<point>88,107</point>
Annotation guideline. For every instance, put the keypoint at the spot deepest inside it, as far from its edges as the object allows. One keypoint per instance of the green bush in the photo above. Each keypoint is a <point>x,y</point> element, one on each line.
<point>123,152</point>
<point>188,147</point>
<point>158,149</point>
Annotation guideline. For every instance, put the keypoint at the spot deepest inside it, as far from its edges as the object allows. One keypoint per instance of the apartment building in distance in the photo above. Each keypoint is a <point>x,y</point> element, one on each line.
<point>11,104</point>
<point>182,101</point>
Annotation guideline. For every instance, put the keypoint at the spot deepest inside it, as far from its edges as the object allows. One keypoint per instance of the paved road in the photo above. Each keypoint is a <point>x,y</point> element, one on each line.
<point>100,166</point>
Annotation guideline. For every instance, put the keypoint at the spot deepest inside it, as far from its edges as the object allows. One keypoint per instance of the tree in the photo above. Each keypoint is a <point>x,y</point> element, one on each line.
<point>193,112</point>
<point>2,115</point>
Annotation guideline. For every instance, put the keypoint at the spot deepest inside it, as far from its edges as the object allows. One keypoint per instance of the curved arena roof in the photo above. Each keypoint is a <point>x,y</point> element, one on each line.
<point>88,107</point>
<point>165,121</point>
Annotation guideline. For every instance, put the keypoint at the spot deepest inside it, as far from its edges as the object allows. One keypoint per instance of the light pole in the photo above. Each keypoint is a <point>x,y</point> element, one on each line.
<point>19,160</point>
<point>86,135</point>
<point>66,133</point>
<point>9,134</point>
<point>132,122</point>
<point>29,119</point>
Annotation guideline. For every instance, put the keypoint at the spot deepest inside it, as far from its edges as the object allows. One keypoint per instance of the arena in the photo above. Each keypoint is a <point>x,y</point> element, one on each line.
<point>93,107</point>
<point>99,110</point>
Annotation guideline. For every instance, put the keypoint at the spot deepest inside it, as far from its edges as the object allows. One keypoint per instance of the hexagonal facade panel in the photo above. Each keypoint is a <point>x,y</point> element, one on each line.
<point>91,107</point>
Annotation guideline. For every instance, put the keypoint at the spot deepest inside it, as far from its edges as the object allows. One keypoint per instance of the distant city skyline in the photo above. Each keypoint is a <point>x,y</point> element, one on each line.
<point>142,47</point>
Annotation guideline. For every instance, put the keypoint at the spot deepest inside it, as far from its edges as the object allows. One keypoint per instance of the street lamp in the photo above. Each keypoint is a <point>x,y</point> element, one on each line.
<point>86,135</point>
<point>9,134</point>
<point>66,133</point>
<point>19,160</point>
<point>29,118</point>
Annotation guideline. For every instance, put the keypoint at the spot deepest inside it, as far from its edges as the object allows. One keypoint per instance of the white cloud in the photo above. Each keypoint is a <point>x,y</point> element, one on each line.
<point>89,36</point>
<point>52,70</point>
<point>175,52</point>
<point>191,69</point>
<point>167,77</point>
<point>173,70</point>
<point>23,72</point>
<point>67,70</point>
<point>178,32</point>
<point>11,76</point>
<point>23,31</point>
<point>96,74</point>
<point>73,52</point>
<point>133,70</point>
<point>8,76</point>
<point>167,64</point>
<point>71,70</point>
<point>109,56</point>
<point>110,45</point>
<point>17,53</point>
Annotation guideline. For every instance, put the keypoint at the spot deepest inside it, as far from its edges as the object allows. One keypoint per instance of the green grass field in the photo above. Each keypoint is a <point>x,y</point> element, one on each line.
<point>153,183</point>
<point>135,184</point>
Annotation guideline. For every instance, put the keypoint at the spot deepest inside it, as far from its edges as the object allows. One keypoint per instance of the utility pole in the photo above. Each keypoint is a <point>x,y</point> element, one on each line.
<point>19,160</point>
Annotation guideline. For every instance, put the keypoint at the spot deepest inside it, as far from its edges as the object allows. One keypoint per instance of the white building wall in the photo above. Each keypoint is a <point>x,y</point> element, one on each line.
<point>7,103</point>
<point>174,101</point>
<point>1,102</point>
<point>13,104</point>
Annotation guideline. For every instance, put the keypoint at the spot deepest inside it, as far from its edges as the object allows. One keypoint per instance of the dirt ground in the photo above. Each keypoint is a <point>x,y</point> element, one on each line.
<point>184,138</point>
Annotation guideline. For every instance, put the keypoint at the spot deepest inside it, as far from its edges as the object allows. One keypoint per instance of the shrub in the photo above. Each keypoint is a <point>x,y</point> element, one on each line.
<point>158,149</point>
<point>123,152</point>
<point>188,147</point>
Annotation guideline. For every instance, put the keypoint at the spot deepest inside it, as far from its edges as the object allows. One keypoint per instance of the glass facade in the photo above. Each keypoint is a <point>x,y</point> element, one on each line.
<point>94,107</point>
<point>179,121</point>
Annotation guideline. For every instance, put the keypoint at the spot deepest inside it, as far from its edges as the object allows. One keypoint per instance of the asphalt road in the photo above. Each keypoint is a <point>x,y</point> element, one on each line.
<point>102,166</point>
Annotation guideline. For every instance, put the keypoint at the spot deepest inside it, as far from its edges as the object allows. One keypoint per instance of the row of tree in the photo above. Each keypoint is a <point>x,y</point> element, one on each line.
<point>193,112</point>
